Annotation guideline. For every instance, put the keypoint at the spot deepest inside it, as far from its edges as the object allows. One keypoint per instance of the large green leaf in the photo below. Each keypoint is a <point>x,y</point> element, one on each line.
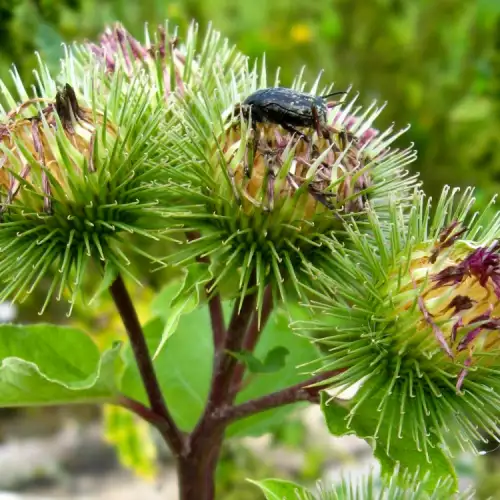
<point>401,452</point>
<point>278,489</point>
<point>47,364</point>
<point>300,350</point>
<point>184,368</point>
<point>185,300</point>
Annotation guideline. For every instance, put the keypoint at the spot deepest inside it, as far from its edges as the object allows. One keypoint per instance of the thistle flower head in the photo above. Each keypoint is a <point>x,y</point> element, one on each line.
<point>79,182</point>
<point>171,62</point>
<point>263,196</point>
<point>422,306</point>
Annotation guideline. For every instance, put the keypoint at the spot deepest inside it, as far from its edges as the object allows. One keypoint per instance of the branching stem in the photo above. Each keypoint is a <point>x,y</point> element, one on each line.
<point>197,453</point>
<point>293,394</point>
<point>128,314</point>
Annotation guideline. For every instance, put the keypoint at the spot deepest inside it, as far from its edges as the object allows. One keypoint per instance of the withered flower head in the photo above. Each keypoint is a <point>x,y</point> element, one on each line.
<point>172,62</point>
<point>79,182</point>
<point>118,49</point>
<point>28,149</point>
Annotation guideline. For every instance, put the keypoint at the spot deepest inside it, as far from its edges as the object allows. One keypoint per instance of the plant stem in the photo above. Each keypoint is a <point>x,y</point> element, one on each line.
<point>214,304</point>
<point>293,394</point>
<point>128,314</point>
<point>196,471</point>
<point>145,413</point>
<point>252,337</point>
<point>224,368</point>
<point>217,320</point>
<point>197,454</point>
<point>196,468</point>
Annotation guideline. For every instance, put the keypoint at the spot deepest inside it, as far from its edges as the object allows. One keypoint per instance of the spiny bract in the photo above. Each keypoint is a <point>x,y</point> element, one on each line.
<point>399,486</point>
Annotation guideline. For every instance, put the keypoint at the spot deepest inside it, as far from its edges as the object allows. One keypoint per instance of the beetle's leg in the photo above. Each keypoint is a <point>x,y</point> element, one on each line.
<point>272,162</point>
<point>317,124</point>
<point>271,179</point>
<point>234,189</point>
<point>344,136</point>
<point>293,130</point>
<point>252,147</point>
<point>323,130</point>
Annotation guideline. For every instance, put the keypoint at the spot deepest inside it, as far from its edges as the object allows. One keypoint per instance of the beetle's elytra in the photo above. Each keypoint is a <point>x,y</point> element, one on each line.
<point>287,108</point>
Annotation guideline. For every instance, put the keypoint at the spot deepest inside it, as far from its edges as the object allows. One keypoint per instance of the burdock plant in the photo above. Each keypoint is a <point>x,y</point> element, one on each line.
<point>320,230</point>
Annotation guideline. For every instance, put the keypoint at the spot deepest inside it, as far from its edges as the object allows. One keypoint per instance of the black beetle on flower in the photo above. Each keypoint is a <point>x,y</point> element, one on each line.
<point>288,108</point>
<point>291,110</point>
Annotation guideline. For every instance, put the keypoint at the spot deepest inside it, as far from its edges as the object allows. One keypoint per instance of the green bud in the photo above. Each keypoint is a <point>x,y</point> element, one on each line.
<point>421,309</point>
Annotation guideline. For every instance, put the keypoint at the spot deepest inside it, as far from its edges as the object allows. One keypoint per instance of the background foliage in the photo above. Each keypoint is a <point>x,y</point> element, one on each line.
<point>437,63</point>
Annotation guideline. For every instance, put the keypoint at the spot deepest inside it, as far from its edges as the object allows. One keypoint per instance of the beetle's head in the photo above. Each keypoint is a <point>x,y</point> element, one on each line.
<point>240,110</point>
<point>243,109</point>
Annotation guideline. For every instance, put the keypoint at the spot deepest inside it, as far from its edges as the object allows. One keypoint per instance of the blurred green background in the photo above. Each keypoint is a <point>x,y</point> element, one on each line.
<point>436,62</point>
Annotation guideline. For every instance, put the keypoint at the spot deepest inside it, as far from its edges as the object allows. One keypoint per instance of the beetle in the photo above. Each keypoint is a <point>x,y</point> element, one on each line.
<point>288,108</point>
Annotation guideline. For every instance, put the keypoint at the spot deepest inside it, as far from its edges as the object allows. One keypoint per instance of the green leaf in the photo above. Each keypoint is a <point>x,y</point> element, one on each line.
<point>186,300</point>
<point>275,360</point>
<point>278,489</point>
<point>184,369</point>
<point>183,366</point>
<point>47,364</point>
<point>276,334</point>
<point>131,436</point>
<point>161,304</point>
<point>401,450</point>
<point>110,274</point>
